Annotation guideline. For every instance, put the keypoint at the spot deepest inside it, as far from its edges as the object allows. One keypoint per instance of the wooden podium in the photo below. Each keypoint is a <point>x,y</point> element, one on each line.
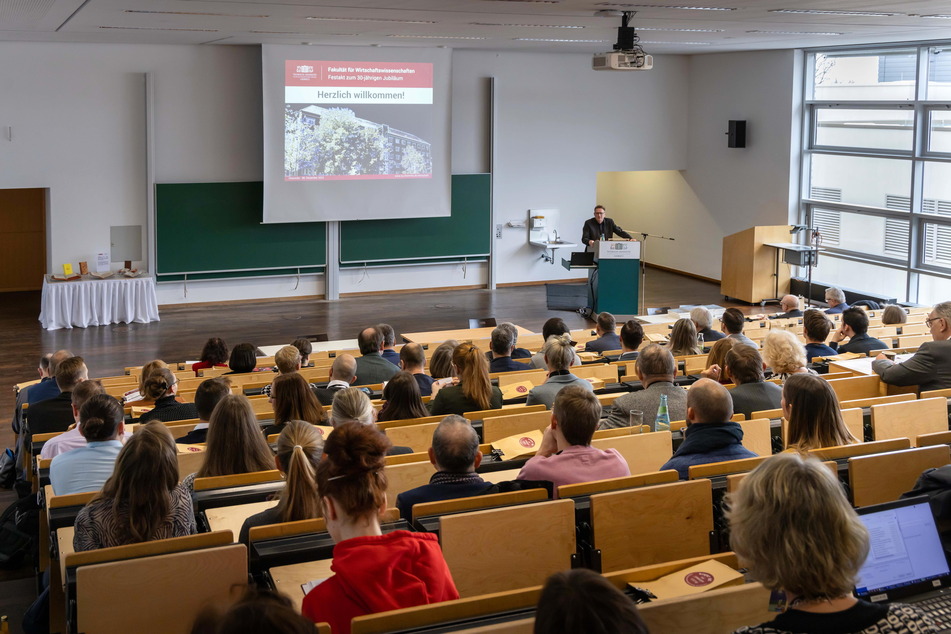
<point>749,266</point>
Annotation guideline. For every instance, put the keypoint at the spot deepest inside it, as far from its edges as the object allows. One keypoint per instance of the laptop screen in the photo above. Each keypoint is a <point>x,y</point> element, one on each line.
<point>904,547</point>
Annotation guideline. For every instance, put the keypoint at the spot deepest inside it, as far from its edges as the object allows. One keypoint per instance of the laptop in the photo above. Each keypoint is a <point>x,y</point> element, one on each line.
<point>906,561</point>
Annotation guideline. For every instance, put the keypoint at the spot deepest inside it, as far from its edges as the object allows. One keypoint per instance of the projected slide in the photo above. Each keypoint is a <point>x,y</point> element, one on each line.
<point>339,120</point>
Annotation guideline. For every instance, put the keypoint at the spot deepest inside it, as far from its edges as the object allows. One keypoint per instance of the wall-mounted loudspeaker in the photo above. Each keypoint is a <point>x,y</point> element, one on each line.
<point>736,137</point>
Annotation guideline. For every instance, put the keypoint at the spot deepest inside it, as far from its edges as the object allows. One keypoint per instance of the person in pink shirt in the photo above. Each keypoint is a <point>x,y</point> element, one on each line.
<point>72,439</point>
<point>565,455</point>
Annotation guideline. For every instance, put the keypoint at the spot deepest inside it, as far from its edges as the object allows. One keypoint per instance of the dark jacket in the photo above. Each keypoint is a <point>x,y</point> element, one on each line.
<point>44,390</point>
<point>788,314</point>
<point>53,414</point>
<point>167,409</point>
<point>326,394</point>
<point>593,231</point>
<point>708,442</point>
<point>451,400</point>
<point>862,344</point>
<point>438,492</point>
<point>425,383</point>
<point>756,397</point>
<point>709,334</point>
<point>507,364</point>
<point>929,368</point>
<point>818,350</point>
<point>392,356</point>
<point>373,368</point>
<point>607,341</point>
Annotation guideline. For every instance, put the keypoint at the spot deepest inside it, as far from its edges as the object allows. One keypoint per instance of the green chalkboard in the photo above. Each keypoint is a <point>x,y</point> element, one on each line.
<point>214,231</point>
<point>465,234</point>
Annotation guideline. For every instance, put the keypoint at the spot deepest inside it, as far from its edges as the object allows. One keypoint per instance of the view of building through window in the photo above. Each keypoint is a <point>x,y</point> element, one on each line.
<point>877,169</point>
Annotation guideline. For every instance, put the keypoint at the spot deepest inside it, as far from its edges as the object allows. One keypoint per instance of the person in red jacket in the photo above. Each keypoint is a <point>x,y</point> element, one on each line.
<point>373,572</point>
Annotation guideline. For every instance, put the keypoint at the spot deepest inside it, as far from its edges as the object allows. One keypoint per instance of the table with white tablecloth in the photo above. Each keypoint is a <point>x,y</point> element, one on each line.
<point>95,302</point>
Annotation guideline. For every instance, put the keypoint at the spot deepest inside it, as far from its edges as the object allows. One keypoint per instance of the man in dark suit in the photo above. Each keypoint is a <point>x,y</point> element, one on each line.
<point>413,360</point>
<point>47,387</point>
<point>209,392</point>
<point>752,392</point>
<point>930,368</point>
<point>632,336</point>
<point>456,456</point>
<point>600,228</point>
<point>503,343</point>
<point>343,373</point>
<point>607,338</point>
<point>855,327</point>
<point>371,366</point>
<point>56,414</point>
<point>389,344</point>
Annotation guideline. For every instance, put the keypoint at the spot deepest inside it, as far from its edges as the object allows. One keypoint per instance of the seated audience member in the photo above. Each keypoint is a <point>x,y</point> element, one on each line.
<point>440,363</point>
<point>257,612</point>
<point>752,393</point>
<point>702,318</point>
<point>287,360</point>
<point>565,455</point>
<point>47,388</point>
<point>815,329</point>
<point>456,456</point>
<point>292,399</point>
<point>784,354</point>
<point>87,468</point>
<point>789,305</point>
<point>812,409</point>
<point>402,399</point>
<point>710,436</point>
<point>371,366</point>
<point>558,356</point>
<point>683,339</point>
<point>298,453</point>
<point>56,414</point>
<point>854,326</point>
<point>207,396</point>
<point>632,336</point>
<point>213,355</point>
<point>351,485</point>
<point>930,367</point>
<point>656,370</point>
<point>733,322</point>
<point>352,405</point>
<point>473,392</point>
<point>581,600</point>
<point>552,327</point>
<point>242,359</point>
<point>235,444</point>
<point>835,298</point>
<point>43,368</point>
<point>893,315</point>
<point>73,439</point>
<point>824,544</point>
<point>517,353</point>
<point>162,388</point>
<point>305,349</point>
<point>142,501</point>
<point>716,360</point>
<point>503,343</point>
<point>389,344</point>
<point>413,360</point>
<point>138,394</point>
<point>607,338</point>
<point>343,373</point>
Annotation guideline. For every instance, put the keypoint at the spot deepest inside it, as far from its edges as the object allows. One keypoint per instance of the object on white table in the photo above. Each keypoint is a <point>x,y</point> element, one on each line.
<point>102,275</point>
<point>103,265</point>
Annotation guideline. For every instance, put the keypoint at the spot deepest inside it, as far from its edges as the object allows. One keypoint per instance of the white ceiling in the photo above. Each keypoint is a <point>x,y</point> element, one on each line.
<point>489,24</point>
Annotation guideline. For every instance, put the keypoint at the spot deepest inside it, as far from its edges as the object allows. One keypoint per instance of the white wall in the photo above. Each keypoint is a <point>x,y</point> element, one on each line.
<point>721,190</point>
<point>77,112</point>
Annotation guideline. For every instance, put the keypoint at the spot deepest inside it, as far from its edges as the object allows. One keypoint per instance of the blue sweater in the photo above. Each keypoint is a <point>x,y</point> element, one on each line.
<point>708,442</point>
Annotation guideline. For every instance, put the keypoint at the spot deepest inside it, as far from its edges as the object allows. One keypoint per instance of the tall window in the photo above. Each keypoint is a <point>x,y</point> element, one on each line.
<point>877,169</point>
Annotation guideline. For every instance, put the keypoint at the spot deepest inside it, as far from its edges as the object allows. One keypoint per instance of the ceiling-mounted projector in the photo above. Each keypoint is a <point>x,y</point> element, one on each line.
<point>627,53</point>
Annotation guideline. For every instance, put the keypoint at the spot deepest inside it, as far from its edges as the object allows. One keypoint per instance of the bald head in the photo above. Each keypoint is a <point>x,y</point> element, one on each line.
<point>370,340</point>
<point>412,358</point>
<point>344,368</point>
<point>708,402</point>
<point>58,357</point>
<point>656,363</point>
<point>455,446</point>
<point>789,302</point>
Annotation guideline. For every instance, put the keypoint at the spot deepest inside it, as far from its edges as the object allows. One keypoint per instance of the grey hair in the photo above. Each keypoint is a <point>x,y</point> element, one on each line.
<point>943,310</point>
<point>835,294</point>
<point>351,405</point>
<point>503,340</point>
<point>701,316</point>
<point>455,444</point>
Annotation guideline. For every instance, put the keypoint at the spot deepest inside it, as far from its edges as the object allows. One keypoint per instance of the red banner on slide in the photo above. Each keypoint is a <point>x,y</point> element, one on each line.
<point>358,74</point>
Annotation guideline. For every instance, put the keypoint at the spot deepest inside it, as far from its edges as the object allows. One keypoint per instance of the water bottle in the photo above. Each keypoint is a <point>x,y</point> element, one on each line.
<point>700,340</point>
<point>662,422</point>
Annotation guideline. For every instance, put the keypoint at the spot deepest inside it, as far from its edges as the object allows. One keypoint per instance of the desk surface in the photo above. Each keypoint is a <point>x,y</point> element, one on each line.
<point>862,365</point>
<point>289,579</point>
<point>463,334</point>
<point>500,476</point>
<point>231,518</point>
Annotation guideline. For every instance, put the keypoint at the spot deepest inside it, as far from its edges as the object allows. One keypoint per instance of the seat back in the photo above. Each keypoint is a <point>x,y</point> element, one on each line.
<point>417,437</point>
<point>712,612</point>
<point>498,427</point>
<point>236,480</point>
<point>726,467</point>
<point>403,477</point>
<point>909,420</point>
<point>618,484</point>
<point>643,452</point>
<point>536,377</point>
<point>860,449</point>
<point>189,462</point>
<point>649,525</point>
<point>508,548</point>
<point>757,437</point>
<point>482,414</point>
<point>884,477</point>
<point>479,502</point>
<point>857,387</point>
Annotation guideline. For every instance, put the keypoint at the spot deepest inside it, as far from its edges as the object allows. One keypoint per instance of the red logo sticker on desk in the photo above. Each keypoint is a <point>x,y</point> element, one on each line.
<point>698,579</point>
<point>193,449</point>
<point>320,431</point>
<point>521,388</point>
<point>526,442</point>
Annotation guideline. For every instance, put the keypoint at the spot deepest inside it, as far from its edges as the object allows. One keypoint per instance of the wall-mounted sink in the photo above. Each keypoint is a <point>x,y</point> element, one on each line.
<point>554,244</point>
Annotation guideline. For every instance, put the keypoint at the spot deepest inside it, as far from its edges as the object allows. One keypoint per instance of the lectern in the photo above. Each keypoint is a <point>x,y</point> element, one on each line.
<point>750,272</point>
<point>615,275</point>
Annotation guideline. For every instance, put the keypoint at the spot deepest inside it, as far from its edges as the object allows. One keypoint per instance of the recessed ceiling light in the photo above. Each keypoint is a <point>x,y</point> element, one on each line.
<point>529,26</point>
<point>220,15</point>
<point>156,28</point>
<point>658,28</point>
<point>370,20</point>
<point>797,32</point>
<point>664,42</point>
<point>863,14</point>
<point>440,37</point>
<point>552,39</point>
<point>663,6</point>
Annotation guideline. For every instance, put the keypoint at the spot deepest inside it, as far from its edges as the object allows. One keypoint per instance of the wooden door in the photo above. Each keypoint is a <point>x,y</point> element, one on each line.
<point>22,239</point>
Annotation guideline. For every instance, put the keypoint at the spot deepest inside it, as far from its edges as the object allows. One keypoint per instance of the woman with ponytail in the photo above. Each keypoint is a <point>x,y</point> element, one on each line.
<point>87,468</point>
<point>373,572</point>
<point>162,387</point>
<point>298,453</point>
<point>473,391</point>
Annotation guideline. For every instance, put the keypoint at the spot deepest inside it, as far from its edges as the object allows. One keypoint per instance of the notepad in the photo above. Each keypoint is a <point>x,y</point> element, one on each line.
<point>516,390</point>
<point>519,445</point>
<point>700,578</point>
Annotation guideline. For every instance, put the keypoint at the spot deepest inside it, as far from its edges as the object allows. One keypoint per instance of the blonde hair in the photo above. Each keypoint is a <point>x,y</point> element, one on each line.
<point>351,405</point>
<point>683,338</point>
<point>783,352</point>
<point>298,450</point>
<point>147,371</point>
<point>821,542</point>
<point>287,359</point>
<point>558,352</point>
<point>235,441</point>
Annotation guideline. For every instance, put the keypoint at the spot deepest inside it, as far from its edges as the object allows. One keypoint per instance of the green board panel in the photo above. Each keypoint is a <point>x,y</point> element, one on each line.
<point>214,230</point>
<point>466,233</point>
